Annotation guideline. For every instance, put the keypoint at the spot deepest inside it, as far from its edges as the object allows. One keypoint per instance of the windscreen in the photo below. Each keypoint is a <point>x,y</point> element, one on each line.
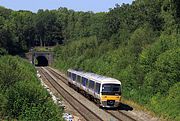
<point>111,89</point>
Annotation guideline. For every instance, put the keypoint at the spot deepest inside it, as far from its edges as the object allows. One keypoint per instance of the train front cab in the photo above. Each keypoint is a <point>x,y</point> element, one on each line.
<point>110,96</point>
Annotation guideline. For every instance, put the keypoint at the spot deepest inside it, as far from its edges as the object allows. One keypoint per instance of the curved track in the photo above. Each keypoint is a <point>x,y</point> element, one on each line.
<point>85,112</point>
<point>121,116</point>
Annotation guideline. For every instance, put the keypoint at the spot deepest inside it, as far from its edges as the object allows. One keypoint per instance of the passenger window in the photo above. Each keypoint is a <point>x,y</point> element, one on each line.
<point>91,84</point>
<point>74,77</point>
<point>83,81</point>
<point>78,78</point>
<point>97,90</point>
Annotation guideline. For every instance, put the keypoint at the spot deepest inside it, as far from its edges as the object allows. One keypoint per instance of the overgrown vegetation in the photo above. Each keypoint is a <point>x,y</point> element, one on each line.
<point>21,95</point>
<point>139,44</point>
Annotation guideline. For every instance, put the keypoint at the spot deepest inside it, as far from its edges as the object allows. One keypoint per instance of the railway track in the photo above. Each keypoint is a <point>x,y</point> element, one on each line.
<point>85,112</point>
<point>121,116</point>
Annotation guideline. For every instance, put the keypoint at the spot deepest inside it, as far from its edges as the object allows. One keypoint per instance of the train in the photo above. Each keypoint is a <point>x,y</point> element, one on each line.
<point>105,91</point>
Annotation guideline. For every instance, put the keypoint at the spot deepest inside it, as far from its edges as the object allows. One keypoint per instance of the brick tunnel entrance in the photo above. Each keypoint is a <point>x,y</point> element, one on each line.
<point>41,61</point>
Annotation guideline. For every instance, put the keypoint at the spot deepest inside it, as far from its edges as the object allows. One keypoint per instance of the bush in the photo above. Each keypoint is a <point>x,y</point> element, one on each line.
<point>146,75</point>
<point>23,97</point>
<point>167,105</point>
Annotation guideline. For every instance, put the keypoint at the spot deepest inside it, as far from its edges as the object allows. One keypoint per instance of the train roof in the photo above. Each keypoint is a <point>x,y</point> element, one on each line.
<point>95,77</point>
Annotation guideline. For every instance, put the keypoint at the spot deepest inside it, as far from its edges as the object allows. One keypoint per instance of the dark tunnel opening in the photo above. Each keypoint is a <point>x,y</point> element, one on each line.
<point>41,61</point>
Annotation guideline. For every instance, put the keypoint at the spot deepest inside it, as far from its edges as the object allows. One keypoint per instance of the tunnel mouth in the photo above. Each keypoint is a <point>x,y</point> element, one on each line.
<point>41,61</point>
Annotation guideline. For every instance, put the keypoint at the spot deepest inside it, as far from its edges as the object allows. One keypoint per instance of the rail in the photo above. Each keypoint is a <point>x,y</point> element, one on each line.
<point>115,113</point>
<point>85,112</point>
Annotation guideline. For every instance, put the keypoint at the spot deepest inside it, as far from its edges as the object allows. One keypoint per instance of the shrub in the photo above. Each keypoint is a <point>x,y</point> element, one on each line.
<point>23,97</point>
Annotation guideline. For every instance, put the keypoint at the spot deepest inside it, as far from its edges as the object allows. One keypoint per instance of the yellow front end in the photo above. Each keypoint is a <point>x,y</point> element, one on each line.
<point>110,100</point>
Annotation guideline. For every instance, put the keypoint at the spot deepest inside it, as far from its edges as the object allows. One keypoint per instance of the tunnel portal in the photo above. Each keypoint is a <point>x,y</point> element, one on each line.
<point>40,58</point>
<point>41,61</point>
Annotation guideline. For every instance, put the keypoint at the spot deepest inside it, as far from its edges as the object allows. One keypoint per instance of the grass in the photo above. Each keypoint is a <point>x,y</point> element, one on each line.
<point>43,49</point>
<point>139,107</point>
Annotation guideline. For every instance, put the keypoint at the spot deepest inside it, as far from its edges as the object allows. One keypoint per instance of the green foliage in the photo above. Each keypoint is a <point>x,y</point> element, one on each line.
<point>141,38</point>
<point>22,97</point>
<point>169,104</point>
<point>3,104</point>
<point>137,44</point>
<point>13,70</point>
<point>149,56</point>
<point>3,51</point>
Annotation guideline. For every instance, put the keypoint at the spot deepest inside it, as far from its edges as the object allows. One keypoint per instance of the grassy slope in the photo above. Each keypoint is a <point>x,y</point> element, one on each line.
<point>150,80</point>
<point>21,95</point>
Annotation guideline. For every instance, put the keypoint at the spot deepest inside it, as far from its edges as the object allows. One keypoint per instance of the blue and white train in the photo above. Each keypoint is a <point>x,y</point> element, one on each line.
<point>103,90</point>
